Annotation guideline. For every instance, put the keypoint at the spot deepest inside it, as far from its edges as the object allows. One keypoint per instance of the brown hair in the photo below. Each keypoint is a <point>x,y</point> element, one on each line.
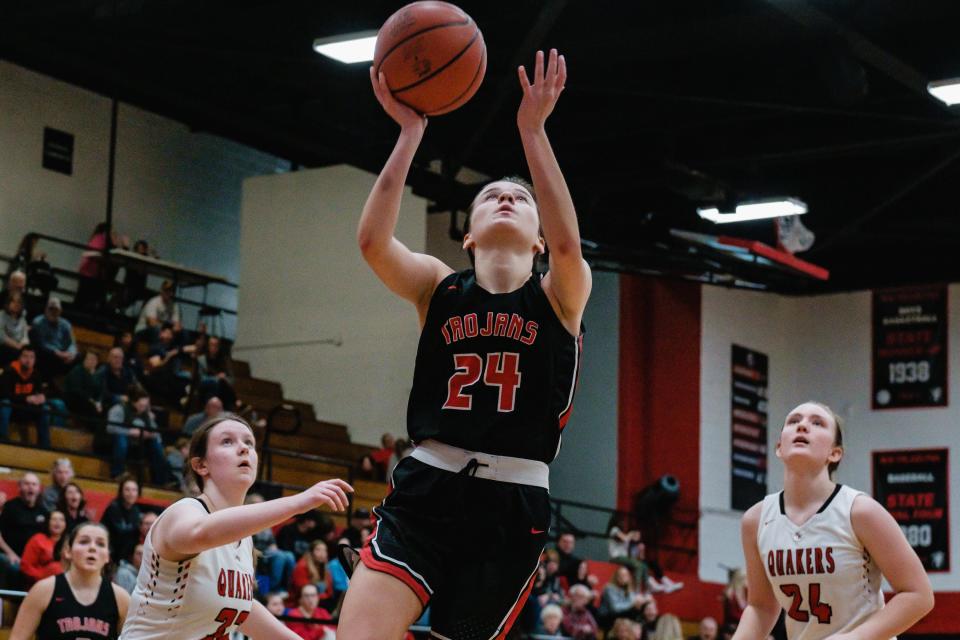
<point>124,479</point>
<point>837,438</point>
<point>72,536</point>
<point>523,182</point>
<point>198,443</point>
<point>317,572</point>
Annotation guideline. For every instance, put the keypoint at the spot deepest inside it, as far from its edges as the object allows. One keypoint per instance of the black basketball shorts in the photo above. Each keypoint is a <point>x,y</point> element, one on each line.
<point>468,546</point>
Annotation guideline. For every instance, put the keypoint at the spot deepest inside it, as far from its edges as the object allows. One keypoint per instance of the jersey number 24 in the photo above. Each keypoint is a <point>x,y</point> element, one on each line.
<point>502,370</point>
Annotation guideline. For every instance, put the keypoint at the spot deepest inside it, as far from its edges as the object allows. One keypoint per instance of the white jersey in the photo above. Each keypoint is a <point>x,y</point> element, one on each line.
<point>205,596</point>
<point>820,572</point>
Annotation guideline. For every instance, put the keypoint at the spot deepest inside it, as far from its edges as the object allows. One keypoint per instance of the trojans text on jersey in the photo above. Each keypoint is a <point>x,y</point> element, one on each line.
<point>507,325</point>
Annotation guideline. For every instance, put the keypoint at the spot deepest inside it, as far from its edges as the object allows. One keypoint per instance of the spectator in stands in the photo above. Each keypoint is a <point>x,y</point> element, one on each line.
<point>625,629</point>
<point>22,396</point>
<point>619,541</point>
<point>146,521</point>
<point>127,569</point>
<point>116,378</point>
<point>15,284</point>
<point>131,359</point>
<point>163,375</point>
<point>650,577</point>
<point>338,575</point>
<point>73,505</point>
<point>273,601</point>
<point>569,563</point>
<point>157,312</point>
<point>95,273</point>
<point>134,419</point>
<point>14,331</point>
<point>83,388</point>
<point>135,279</point>
<point>53,337</point>
<point>22,517</point>
<point>620,599</point>
<point>295,537</point>
<point>708,630</point>
<point>668,628</point>
<point>734,597</point>
<point>551,619</point>
<point>41,558</point>
<point>579,623</point>
<point>211,409</point>
<point>308,609</point>
<point>401,449</point>
<point>552,590</point>
<point>215,368</point>
<point>279,563</point>
<point>359,520</point>
<point>311,568</point>
<point>60,474</point>
<point>27,253</point>
<point>177,462</point>
<point>122,518</point>
<point>649,614</point>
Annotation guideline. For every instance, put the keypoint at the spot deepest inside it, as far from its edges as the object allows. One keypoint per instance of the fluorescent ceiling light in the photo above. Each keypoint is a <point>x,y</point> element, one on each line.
<point>348,47</point>
<point>947,91</point>
<point>756,210</point>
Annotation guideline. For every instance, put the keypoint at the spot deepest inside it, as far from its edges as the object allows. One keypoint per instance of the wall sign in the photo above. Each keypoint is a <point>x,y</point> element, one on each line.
<point>913,486</point>
<point>58,151</point>
<point>748,451</point>
<point>910,347</point>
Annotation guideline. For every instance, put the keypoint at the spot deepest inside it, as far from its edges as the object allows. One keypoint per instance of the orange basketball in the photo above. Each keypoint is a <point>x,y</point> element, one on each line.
<point>432,55</point>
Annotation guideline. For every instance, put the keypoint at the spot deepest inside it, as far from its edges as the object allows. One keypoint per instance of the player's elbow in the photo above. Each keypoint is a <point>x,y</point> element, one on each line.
<point>567,249</point>
<point>925,601</point>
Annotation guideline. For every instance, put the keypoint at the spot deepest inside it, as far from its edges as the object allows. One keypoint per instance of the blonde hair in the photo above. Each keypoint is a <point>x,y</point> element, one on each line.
<point>668,628</point>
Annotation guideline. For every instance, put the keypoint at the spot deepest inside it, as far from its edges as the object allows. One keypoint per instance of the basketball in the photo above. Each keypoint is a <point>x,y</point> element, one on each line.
<point>432,55</point>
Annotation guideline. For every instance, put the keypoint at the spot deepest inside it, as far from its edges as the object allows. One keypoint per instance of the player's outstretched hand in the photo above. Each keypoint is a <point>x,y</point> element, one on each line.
<point>540,98</point>
<point>332,493</point>
<point>403,115</point>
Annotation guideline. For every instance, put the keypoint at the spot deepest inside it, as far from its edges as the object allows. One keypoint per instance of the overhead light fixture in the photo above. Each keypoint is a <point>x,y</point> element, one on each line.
<point>348,47</point>
<point>756,210</point>
<point>947,91</point>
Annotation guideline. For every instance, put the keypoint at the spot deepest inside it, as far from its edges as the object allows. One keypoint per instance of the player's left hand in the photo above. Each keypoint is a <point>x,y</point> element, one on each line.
<point>540,98</point>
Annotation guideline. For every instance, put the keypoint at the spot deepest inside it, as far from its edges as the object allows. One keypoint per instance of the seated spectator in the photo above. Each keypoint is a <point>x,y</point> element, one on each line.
<point>309,610</point>
<point>619,599</point>
<point>211,409</point>
<point>127,570</point>
<point>620,541</point>
<point>116,378</point>
<point>158,311</point>
<point>146,521</point>
<point>22,397</point>
<point>295,537</point>
<point>73,505</point>
<point>22,517</point>
<point>163,376</point>
<point>60,474</point>
<point>135,279</point>
<point>134,419</point>
<point>82,387</point>
<point>311,568</point>
<point>569,563</point>
<point>273,601</point>
<point>279,563</point>
<point>649,574</point>
<point>122,518</point>
<point>52,335</point>
<point>177,462</point>
<point>14,331</point>
<point>40,556</point>
<point>338,575</point>
<point>16,284</point>
<point>375,463</point>
<point>401,449</point>
<point>668,628</point>
<point>95,273</point>
<point>554,582</point>
<point>551,619</point>
<point>215,368</point>
<point>131,359</point>
<point>579,623</point>
<point>625,629</point>
<point>708,630</point>
<point>734,597</point>
<point>359,520</point>
<point>649,615</point>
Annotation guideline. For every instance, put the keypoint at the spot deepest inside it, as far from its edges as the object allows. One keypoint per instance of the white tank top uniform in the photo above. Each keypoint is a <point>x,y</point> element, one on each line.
<point>820,572</point>
<point>201,598</point>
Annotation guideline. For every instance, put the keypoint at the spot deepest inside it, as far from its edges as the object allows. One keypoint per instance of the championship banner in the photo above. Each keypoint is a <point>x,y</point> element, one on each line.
<point>748,451</point>
<point>910,347</point>
<point>912,485</point>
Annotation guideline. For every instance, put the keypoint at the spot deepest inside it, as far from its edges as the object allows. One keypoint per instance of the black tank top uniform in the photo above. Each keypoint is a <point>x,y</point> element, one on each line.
<point>494,381</point>
<point>67,619</point>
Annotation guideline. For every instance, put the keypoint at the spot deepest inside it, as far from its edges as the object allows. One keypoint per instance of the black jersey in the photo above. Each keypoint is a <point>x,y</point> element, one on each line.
<point>495,373</point>
<point>67,619</point>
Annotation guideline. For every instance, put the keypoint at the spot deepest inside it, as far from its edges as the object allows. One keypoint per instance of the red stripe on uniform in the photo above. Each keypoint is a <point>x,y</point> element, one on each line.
<point>565,416</point>
<point>515,611</point>
<point>401,574</point>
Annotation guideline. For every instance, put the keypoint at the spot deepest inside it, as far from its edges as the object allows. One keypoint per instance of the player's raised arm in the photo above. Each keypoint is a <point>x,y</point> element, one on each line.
<point>412,276</point>
<point>569,279</point>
